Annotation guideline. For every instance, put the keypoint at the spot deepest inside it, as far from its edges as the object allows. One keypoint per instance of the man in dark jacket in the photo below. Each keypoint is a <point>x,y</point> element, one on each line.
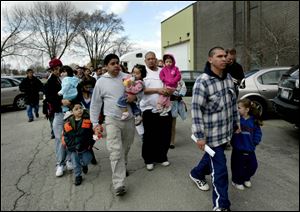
<point>234,69</point>
<point>31,86</point>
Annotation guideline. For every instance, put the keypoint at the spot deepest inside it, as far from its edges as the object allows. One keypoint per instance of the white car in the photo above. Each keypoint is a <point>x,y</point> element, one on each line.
<point>261,86</point>
<point>10,93</point>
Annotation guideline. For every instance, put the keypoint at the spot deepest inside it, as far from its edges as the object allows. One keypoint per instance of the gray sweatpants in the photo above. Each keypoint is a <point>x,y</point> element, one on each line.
<point>120,136</point>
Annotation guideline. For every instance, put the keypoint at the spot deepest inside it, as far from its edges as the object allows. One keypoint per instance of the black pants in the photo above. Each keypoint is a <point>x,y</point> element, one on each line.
<point>243,166</point>
<point>157,137</point>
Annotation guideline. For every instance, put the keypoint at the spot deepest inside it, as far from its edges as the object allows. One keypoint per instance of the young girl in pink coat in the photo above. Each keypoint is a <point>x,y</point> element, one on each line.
<point>170,76</point>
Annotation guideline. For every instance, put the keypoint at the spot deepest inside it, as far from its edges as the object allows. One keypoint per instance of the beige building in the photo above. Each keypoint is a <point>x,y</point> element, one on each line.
<point>178,38</point>
<point>265,33</point>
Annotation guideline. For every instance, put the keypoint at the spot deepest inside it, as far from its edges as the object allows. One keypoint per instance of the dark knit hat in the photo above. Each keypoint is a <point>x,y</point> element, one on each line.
<point>54,63</point>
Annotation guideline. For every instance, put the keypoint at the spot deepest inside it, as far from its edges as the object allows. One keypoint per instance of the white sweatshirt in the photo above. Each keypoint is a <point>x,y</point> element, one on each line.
<point>108,90</point>
<point>152,80</point>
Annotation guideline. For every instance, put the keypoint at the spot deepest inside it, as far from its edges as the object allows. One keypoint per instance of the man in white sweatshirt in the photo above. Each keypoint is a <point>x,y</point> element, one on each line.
<point>120,133</point>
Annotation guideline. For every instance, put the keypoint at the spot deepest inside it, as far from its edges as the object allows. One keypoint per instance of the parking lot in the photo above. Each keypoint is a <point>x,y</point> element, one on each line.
<point>28,179</point>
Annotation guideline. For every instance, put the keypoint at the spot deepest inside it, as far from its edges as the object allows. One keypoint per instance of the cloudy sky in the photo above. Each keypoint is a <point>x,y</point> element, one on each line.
<point>142,20</point>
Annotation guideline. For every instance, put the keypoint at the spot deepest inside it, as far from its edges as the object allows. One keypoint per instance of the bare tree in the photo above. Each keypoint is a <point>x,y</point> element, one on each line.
<point>14,33</point>
<point>276,45</point>
<point>97,33</point>
<point>122,46</point>
<point>56,26</point>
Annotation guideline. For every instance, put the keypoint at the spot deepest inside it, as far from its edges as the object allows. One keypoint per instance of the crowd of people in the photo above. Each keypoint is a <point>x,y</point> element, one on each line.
<point>79,105</point>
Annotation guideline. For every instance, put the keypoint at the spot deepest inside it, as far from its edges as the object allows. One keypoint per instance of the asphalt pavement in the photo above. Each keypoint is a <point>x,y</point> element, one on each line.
<point>28,180</point>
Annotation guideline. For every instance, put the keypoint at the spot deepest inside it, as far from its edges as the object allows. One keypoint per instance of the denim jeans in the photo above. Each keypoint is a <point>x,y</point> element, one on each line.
<point>29,110</point>
<point>79,160</point>
<point>60,150</point>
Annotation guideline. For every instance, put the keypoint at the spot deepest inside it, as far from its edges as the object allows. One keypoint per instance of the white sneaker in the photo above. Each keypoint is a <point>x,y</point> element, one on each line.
<point>164,113</point>
<point>138,120</point>
<point>59,171</point>
<point>201,184</point>
<point>238,186</point>
<point>69,166</point>
<point>248,184</point>
<point>166,163</point>
<point>149,167</point>
<point>140,129</point>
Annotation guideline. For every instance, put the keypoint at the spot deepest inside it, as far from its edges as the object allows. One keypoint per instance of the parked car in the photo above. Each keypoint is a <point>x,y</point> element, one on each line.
<point>19,77</point>
<point>261,86</point>
<point>286,103</point>
<point>10,93</point>
<point>189,77</point>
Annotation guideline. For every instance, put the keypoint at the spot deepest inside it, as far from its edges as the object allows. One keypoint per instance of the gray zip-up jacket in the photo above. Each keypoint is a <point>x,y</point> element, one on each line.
<point>108,90</point>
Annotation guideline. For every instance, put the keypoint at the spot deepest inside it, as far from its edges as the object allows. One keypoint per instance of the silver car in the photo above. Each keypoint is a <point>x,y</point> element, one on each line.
<point>260,86</point>
<point>10,93</point>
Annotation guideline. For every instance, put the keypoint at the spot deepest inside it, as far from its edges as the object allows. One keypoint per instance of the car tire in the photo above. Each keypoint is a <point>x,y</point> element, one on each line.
<point>261,106</point>
<point>19,102</point>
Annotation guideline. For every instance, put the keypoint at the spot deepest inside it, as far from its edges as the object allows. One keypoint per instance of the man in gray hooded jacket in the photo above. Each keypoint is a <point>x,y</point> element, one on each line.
<point>120,133</point>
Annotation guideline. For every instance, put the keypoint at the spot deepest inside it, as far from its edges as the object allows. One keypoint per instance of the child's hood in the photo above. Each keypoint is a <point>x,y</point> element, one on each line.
<point>174,61</point>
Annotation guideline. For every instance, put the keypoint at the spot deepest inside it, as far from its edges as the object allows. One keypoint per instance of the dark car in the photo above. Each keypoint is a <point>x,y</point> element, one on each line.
<point>189,78</point>
<point>286,103</point>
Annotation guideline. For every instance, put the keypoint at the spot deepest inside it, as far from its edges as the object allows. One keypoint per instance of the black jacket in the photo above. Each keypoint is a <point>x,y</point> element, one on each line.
<point>31,88</point>
<point>78,135</point>
<point>52,86</point>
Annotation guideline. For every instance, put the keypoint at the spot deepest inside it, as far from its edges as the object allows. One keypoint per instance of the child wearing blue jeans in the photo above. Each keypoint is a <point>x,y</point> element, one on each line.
<point>78,139</point>
<point>243,158</point>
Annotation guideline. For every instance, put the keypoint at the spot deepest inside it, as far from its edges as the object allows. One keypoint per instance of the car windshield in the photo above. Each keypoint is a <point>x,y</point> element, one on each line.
<point>295,74</point>
<point>249,73</point>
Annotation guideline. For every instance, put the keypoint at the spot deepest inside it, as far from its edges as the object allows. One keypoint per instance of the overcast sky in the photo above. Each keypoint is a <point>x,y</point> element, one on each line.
<point>142,21</point>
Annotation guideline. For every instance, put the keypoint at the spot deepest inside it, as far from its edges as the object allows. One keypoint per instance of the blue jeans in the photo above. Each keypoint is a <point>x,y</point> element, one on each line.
<point>60,150</point>
<point>79,160</point>
<point>122,102</point>
<point>29,110</point>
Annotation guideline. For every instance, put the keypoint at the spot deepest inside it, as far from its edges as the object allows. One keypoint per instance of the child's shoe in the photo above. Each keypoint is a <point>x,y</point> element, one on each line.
<point>85,169</point>
<point>124,115</point>
<point>165,112</point>
<point>78,180</point>
<point>138,120</point>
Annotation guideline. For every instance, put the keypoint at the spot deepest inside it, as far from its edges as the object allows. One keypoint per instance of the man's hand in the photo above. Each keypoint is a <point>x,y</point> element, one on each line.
<point>238,130</point>
<point>98,129</point>
<point>201,144</point>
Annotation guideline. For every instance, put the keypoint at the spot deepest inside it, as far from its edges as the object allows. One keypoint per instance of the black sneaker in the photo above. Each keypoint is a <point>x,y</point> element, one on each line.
<point>94,161</point>
<point>30,120</point>
<point>120,191</point>
<point>78,180</point>
<point>85,169</point>
<point>37,115</point>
